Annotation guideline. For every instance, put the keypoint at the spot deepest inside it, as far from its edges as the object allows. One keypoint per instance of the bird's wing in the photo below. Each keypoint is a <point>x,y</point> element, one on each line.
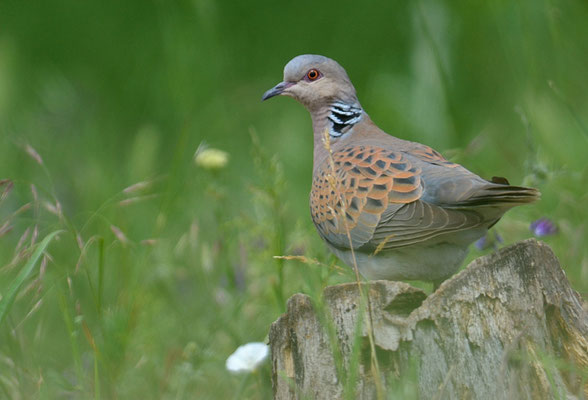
<point>370,198</point>
<point>429,155</point>
<point>451,186</point>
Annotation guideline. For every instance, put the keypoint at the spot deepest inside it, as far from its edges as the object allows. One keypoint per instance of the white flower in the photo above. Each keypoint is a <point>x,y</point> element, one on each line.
<point>247,357</point>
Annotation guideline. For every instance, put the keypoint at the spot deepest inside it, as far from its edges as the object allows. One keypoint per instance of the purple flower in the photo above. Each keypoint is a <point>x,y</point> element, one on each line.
<point>543,227</point>
<point>490,239</point>
<point>481,243</point>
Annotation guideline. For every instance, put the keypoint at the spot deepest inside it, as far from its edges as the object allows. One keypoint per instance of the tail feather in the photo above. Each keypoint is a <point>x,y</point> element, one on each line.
<point>502,194</point>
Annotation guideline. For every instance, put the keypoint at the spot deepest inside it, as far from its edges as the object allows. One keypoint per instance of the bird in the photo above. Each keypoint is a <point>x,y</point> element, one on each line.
<point>391,208</point>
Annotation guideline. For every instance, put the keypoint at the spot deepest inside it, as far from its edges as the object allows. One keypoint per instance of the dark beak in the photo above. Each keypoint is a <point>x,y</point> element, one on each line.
<point>276,90</point>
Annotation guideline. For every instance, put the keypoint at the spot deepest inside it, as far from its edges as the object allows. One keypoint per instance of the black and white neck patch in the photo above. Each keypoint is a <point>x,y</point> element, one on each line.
<point>343,116</point>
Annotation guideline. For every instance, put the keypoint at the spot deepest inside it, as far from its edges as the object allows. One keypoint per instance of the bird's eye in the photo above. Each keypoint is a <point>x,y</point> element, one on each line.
<point>313,75</point>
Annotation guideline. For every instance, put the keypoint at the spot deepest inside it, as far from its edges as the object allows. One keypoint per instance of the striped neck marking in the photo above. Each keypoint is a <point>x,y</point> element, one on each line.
<point>343,116</point>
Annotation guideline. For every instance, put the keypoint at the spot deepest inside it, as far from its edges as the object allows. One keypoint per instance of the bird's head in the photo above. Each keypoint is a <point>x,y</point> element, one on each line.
<point>314,81</point>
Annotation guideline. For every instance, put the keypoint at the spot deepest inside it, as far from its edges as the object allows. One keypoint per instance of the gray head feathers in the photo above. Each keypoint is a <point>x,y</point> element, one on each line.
<point>297,68</point>
<point>316,82</point>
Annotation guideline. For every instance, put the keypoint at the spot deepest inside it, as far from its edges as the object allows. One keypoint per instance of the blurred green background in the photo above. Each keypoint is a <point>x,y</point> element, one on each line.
<point>149,289</point>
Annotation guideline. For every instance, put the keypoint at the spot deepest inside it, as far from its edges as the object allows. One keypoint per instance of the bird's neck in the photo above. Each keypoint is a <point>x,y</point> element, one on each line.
<point>333,123</point>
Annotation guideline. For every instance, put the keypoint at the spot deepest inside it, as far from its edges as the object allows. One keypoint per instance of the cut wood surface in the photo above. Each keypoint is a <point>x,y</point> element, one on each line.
<point>509,326</point>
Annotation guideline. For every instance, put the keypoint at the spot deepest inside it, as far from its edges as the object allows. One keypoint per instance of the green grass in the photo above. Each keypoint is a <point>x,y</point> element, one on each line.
<point>148,290</point>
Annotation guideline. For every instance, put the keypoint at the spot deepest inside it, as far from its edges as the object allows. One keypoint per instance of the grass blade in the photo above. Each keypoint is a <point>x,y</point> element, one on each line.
<point>8,299</point>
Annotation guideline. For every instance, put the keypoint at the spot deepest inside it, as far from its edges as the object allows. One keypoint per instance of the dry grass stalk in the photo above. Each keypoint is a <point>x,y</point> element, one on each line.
<point>311,261</point>
<point>79,240</point>
<point>5,228</point>
<point>33,154</point>
<point>119,235</point>
<point>381,245</point>
<point>137,199</point>
<point>333,180</point>
<point>8,185</point>
<point>83,250</point>
<point>137,187</point>
<point>34,236</point>
<point>22,239</point>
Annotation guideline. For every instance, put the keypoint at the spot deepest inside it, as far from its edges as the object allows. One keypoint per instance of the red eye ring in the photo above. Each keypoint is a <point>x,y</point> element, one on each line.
<point>313,74</point>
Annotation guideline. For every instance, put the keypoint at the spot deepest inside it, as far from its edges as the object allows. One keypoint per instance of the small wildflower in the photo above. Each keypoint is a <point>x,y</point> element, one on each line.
<point>209,158</point>
<point>481,243</point>
<point>543,227</point>
<point>247,357</point>
<point>490,239</point>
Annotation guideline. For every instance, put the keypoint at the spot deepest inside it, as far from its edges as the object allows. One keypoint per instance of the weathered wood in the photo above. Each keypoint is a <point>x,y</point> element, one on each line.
<point>509,326</point>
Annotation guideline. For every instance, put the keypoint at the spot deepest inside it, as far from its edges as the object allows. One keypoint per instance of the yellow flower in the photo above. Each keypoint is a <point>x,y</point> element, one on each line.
<point>209,158</point>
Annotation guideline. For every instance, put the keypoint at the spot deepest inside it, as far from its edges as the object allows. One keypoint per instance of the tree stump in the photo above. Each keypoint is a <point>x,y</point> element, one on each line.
<point>509,326</point>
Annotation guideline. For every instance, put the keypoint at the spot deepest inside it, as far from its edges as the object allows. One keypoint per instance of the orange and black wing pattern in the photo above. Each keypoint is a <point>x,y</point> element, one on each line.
<point>356,188</point>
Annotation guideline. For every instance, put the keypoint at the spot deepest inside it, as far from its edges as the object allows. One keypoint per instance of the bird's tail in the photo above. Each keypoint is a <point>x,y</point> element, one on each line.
<point>504,195</point>
<point>499,194</point>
